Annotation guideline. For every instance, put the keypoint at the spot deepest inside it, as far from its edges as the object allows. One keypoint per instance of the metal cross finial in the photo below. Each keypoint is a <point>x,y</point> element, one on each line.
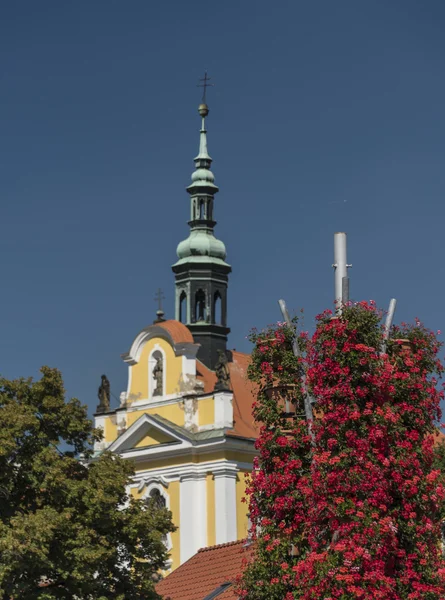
<point>205,85</point>
<point>159,297</point>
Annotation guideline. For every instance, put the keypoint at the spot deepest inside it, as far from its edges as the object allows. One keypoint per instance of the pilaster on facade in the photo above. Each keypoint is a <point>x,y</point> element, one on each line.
<point>223,410</point>
<point>225,503</point>
<point>193,514</point>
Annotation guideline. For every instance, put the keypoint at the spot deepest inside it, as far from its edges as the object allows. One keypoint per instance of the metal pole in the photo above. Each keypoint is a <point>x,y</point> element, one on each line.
<point>345,290</point>
<point>340,266</point>
<point>286,317</point>
<point>297,352</point>
<point>388,323</point>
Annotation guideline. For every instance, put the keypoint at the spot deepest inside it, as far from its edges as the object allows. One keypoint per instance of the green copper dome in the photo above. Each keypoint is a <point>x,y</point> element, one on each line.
<point>201,243</point>
<point>203,175</point>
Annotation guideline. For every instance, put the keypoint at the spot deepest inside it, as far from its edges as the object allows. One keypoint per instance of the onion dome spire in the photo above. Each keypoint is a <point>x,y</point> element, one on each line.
<point>203,177</point>
<point>201,241</point>
<point>201,273</point>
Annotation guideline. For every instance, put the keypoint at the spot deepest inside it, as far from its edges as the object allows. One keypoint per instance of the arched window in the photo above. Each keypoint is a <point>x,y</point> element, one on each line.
<point>200,306</point>
<point>201,209</point>
<point>183,307</point>
<point>217,309</point>
<point>157,372</point>
<point>157,498</point>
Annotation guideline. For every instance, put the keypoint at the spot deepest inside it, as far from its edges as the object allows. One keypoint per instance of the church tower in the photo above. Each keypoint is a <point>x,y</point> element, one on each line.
<point>185,418</point>
<point>201,273</point>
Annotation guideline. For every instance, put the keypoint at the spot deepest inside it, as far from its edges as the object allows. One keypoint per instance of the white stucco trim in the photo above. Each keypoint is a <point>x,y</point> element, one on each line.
<point>181,449</point>
<point>146,402</point>
<point>133,356</point>
<point>130,367</point>
<point>167,399</point>
<point>174,473</point>
<point>148,481</point>
<point>99,423</point>
<point>140,428</point>
<point>189,365</point>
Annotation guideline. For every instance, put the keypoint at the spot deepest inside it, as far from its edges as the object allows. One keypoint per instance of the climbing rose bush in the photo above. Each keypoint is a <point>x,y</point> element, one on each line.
<point>353,508</point>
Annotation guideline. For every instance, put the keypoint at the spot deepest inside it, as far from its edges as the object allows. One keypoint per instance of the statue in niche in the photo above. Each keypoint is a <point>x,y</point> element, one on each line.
<point>157,499</point>
<point>158,375</point>
<point>104,395</point>
<point>222,372</point>
<point>200,306</point>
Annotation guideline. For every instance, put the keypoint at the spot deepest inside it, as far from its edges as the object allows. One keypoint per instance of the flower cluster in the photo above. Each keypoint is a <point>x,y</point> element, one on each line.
<point>356,511</point>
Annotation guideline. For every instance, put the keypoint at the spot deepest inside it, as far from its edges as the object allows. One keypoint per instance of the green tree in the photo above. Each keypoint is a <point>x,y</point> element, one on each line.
<point>65,517</point>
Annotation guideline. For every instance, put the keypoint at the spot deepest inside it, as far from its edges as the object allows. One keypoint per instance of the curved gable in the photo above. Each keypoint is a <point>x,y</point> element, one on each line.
<point>173,332</point>
<point>167,346</point>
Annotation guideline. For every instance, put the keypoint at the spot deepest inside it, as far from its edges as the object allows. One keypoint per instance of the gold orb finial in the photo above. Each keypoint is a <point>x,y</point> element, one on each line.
<point>203,110</point>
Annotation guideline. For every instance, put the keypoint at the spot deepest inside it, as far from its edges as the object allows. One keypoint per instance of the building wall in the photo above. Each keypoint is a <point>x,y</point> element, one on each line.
<point>203,489</point>
<point>205,498</point>
<point>140,373</point>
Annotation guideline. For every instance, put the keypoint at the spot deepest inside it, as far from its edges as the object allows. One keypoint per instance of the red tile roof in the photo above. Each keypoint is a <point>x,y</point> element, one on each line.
<point>439,437</point>
<point>178,331</point>
<point>243,393</point>
<point>205,572</point>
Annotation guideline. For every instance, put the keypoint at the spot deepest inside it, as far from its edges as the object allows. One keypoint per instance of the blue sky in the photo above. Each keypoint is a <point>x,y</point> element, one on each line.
<point>325,116</point>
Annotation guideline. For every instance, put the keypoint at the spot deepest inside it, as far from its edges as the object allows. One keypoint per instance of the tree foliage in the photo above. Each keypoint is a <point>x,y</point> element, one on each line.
<point>65,518</point>
<point>354,512</point>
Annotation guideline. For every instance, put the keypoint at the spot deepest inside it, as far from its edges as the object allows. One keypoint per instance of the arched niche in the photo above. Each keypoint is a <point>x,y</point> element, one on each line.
<point>157,367</point>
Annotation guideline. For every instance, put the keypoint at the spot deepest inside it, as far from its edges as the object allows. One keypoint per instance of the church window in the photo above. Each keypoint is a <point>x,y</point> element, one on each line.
<point>183,307</point>
<point>157,498</point>
<point>201,209</point>
<point>200,306</point>
<point>217,309</point>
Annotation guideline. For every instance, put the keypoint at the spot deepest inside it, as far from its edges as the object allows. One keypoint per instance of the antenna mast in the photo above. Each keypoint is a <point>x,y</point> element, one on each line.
<point>341,271</point>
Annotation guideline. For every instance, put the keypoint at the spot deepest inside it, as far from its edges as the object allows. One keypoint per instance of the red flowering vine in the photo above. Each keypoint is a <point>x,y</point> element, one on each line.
<point>355,513</point>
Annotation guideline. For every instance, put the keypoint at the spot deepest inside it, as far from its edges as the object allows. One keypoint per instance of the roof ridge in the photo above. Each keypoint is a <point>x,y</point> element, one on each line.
<point>225,545</point>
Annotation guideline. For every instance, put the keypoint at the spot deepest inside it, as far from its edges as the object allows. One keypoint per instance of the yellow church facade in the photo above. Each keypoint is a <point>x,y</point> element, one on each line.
<point>185,418</point>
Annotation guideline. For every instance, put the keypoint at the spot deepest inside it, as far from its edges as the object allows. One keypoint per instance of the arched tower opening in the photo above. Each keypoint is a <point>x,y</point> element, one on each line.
<point>200,306</point>
<point>217,309</point>
<point>182,317</point>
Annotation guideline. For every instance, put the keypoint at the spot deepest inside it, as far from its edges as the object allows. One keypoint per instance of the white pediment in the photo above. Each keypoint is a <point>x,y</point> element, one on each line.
<point>153,426</point>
